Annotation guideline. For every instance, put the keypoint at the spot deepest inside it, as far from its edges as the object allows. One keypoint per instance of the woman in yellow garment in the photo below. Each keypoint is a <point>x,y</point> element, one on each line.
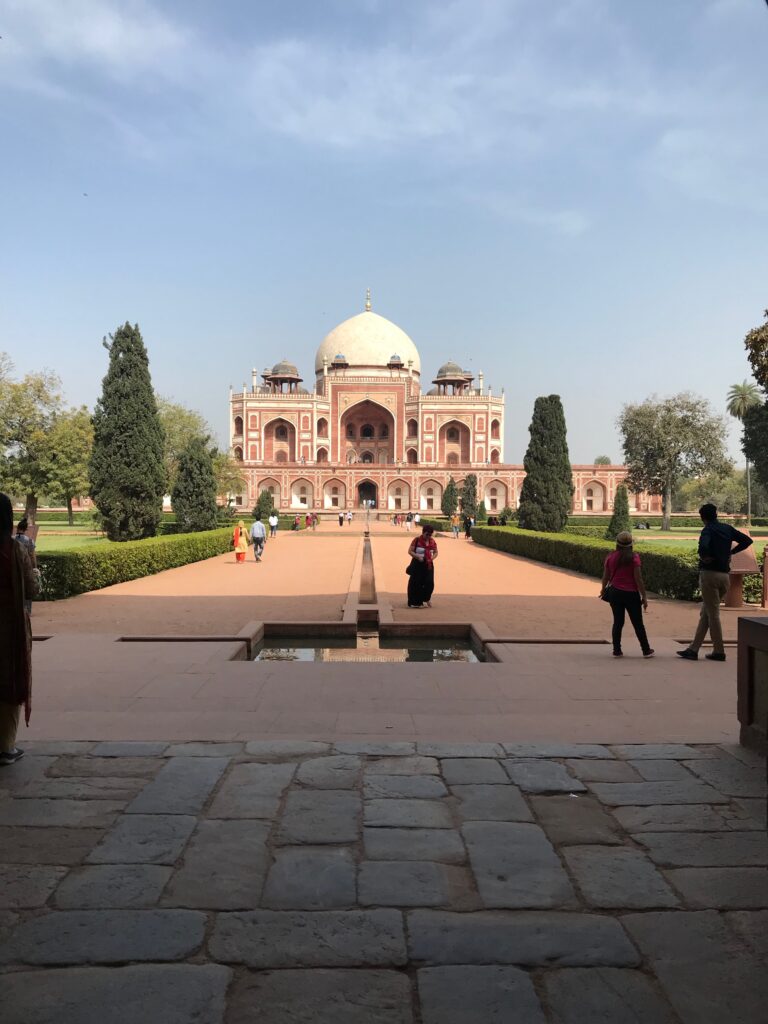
<point>240,541</point>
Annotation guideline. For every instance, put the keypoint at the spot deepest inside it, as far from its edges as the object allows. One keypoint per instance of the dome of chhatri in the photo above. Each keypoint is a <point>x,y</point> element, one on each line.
<point>284,369</point>
<point>451,369</point>
<point>367,340</point>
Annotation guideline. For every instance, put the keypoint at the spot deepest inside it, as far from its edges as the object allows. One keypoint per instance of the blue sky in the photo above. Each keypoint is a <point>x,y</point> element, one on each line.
<point>569,196</point>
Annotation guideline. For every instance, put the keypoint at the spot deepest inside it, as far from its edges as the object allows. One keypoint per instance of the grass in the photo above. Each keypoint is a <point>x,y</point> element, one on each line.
<point>47,542</point>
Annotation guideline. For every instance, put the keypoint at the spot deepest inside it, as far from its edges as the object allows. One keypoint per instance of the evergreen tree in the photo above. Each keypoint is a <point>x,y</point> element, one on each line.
<point>450,500</point>
<point>547,492</point>
<point>194,493</point>
<point>127,472</point>
<point>620,520</point>
<point>264,505</point>
<point>468,496</point>
<point>482,512</point>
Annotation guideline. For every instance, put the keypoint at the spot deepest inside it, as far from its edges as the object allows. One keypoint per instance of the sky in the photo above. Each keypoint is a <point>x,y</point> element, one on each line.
<point>569,196</point>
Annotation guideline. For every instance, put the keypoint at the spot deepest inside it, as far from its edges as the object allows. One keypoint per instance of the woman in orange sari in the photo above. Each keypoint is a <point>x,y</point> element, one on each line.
<point>18,582</point>
<point>240,541</point>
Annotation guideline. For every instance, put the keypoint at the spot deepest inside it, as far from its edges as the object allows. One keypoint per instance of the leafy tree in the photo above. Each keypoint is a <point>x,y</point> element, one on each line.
<point>264,505</point>
<point>546,496</point>
<point>620,520</point>
<point>66,456</point>
<point>741,398</point>
<point>194,494</point>
<point>482,512</point>
<point>127,471</point>
<point>668,439</point>
<point>603,460</point>
<point>468,495</point>
<point>507,512</point>
<point>28,408</point>
<point>450,499</point>
<point>726,490</point>
<point>756,344</point>
<point>230,478</point>
<point>180,426</point>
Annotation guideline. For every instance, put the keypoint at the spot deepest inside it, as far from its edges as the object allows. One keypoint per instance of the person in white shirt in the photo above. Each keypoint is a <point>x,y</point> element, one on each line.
<point>273,523</point>
<point>417,519</point>
<point>259,538</point>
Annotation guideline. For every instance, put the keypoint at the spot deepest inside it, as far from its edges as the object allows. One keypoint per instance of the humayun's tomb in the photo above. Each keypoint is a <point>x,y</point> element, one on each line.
<point>367,435</point>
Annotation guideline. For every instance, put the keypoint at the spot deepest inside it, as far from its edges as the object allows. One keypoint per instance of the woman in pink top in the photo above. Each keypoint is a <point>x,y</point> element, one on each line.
<point>623,587</point>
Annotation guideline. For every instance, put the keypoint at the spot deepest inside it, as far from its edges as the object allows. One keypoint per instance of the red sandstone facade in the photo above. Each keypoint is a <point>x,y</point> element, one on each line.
<point>368,434</point>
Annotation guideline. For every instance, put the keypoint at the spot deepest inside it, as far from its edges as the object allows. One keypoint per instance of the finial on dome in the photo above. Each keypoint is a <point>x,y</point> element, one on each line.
<point>368,300</point>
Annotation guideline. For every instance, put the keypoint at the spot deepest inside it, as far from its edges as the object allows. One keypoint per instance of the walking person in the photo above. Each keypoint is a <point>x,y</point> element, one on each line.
<point>467,528</point>
<point>624,589</point>
<point>259,538</point>
<point>273,523</point>
<point>421,571</point>
<point>409,521</point>
<point>29,544</point>
<point>349,518</point>
<point>455,524</point>
<point>716,545</point>
<point>341,518</point>
<point>18,583</point>
<point>240,541</point>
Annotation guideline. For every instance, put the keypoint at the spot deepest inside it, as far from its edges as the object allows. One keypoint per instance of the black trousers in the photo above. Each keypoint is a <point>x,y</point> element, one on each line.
<point>627,602</point>
<point>421,584</point>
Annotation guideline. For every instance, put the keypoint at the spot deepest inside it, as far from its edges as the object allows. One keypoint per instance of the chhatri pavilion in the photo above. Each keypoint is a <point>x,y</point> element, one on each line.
<point>367,434</point>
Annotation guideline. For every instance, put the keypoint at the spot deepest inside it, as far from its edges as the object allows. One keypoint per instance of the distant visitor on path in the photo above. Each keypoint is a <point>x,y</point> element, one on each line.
<point>273,522</point>
<point>455,525</point>
<point>240,541</point>
<point>29,544</point>
<point>624,589</point>
<point>341,518</point>
<point>421,571</point>
<point>467,528</point>
<point>18,583</point>
<point>716,545</point>
<point>259,538</point>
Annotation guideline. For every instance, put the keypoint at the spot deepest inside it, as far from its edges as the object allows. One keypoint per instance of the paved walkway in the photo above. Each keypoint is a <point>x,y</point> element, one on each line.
<point>295,883</point>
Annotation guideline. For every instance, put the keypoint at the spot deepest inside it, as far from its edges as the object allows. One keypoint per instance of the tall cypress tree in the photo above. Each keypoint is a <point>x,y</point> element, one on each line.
<point>547,492</point>
<point>468,496</point>
<point>194,493</point>
<point>127,473</point>
<point>620,520</point>
<point>450,499</point>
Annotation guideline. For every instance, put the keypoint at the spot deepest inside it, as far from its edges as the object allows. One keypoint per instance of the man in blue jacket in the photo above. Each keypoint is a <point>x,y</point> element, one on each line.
<point>716,545</point>
<point>259,538</point>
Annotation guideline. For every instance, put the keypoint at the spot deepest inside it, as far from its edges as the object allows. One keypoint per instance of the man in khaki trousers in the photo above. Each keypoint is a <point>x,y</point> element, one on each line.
<point>716,545</point>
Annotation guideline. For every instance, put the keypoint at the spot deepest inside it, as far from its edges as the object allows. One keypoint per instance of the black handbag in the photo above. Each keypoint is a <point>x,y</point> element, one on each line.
<point>607,593</point>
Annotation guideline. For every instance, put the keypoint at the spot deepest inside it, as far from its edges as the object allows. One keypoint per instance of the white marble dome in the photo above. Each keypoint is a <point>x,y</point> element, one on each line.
<point>367,340</point>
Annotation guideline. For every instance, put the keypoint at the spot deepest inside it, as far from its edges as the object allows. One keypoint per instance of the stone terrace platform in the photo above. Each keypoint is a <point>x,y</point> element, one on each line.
<point>296,882</point>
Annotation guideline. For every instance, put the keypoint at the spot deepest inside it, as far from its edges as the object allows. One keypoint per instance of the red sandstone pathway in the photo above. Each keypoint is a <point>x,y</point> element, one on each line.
<point>300,577</point>
<point>519,598</point>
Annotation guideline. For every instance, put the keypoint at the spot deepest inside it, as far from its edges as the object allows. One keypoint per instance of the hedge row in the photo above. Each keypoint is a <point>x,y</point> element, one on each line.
<point>65,573</point>
<point>586,531</point>
<point>667,573</point>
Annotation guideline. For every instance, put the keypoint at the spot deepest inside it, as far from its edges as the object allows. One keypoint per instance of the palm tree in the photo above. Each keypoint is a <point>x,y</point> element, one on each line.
<point>741,398</point>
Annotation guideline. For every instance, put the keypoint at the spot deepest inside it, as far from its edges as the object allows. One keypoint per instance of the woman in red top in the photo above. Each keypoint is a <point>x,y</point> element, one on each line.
<point>421,571</point>
<point>623,587</point>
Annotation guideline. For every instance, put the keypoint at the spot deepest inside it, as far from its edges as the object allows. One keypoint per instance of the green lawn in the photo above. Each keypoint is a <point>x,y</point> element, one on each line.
<point>47,542</point>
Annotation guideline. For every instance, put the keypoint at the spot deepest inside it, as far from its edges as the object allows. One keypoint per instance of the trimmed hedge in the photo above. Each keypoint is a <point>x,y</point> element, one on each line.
<point>667,573</point>
<point>587,531</point>
<point>65,573</point>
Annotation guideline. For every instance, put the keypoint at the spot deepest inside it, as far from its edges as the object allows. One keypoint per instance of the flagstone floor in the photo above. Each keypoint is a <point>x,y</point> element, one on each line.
<point>299,882</point>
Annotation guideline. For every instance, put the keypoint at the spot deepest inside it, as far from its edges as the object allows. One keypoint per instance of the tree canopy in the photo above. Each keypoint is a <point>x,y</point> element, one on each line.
<point>547,492</point>
<point>756,344</point>
<point>180,426</point>
<point>450,499</point>
<point>468,495</point>
<point>194,492</point>
<point>603,460</point>
<point>127,468</point>
<point>668,439</point>
<point>66,457</point>
<point>620,520</point>
<point>28,409</point>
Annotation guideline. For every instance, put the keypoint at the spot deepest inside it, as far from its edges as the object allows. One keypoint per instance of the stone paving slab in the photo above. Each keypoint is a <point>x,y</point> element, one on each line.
<point>171,994</point>
<point>290,881</point>
<point>322,997</point>
<point>466,995</point>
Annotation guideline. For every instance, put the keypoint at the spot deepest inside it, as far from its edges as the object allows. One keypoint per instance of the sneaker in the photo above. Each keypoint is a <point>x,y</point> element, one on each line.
<point>714,656</point>
<point>688,654</point>
<point>11,756</point>
<point>649,653</point>
<point>618,654</point>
